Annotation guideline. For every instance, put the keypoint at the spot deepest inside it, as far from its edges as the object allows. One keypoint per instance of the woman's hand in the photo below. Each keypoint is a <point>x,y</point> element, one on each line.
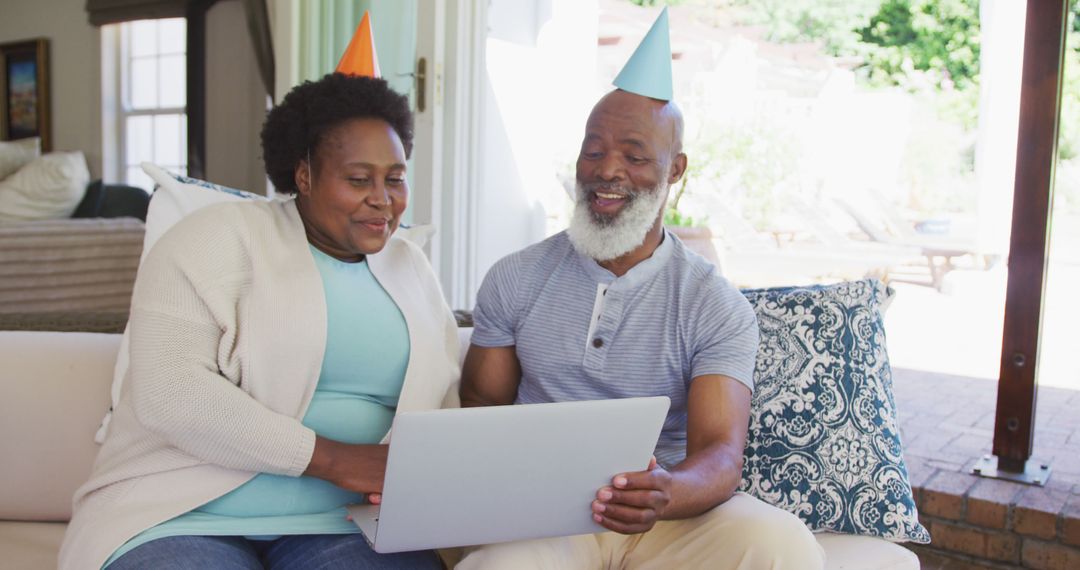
<point>635,501</point>
<point>357,468</point>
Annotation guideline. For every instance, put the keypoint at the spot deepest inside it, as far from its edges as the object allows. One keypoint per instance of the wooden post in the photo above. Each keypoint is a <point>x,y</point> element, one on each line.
<point>1040,101</point>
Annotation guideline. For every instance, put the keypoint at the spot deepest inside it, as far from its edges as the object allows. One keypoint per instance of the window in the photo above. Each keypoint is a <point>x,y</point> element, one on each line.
<point>150,98</point>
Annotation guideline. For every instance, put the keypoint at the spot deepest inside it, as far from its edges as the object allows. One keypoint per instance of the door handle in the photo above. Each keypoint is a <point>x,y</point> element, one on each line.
<point>421,84</point>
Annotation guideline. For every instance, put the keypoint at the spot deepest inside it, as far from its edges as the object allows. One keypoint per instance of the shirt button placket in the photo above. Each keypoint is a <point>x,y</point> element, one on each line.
<point>596,355</point>
<point>594,352</point>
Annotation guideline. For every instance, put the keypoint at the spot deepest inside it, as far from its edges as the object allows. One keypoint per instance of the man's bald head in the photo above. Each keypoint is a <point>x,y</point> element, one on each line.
<point>665,116</point>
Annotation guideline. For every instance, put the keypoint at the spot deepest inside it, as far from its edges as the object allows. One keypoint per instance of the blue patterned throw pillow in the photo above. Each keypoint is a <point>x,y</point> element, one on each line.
<point>215,187</point>
<point>824,441</point>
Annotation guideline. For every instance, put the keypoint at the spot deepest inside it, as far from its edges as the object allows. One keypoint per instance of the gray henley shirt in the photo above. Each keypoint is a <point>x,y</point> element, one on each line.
<point>583,334</point>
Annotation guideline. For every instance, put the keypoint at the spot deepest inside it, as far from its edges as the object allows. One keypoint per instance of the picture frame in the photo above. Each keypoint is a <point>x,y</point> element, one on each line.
<point>24,91</point>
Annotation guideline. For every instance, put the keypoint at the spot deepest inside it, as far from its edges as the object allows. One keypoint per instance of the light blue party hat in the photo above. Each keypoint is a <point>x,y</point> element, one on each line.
<point>648,72</point>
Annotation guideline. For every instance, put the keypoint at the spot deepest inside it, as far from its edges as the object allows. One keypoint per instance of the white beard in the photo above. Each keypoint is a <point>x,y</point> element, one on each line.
<point>604,240</point>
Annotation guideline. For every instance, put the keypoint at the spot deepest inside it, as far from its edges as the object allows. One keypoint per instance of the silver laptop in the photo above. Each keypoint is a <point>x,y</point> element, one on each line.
<point>471,476</point>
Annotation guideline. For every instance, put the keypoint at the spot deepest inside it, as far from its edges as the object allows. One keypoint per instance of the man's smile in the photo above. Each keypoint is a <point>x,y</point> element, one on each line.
<point>607,203</point>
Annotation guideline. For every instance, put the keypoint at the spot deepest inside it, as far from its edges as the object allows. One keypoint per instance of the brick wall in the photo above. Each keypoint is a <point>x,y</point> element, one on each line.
<point>998,524</point>
<point>947,423</point>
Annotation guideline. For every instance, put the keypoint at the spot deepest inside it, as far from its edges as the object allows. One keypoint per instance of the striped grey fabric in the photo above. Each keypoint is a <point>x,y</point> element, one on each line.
<point>85,264</point>
<point>670,319</point>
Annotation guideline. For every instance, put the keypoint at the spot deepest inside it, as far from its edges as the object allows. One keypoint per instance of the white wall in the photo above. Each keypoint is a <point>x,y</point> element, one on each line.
<point>75,68</point>
<point>537,90</point>
<point>512,106</point>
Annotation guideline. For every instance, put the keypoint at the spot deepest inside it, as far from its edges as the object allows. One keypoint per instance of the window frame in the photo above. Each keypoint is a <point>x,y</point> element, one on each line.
<point>117,107</point>
<point>126,109</point>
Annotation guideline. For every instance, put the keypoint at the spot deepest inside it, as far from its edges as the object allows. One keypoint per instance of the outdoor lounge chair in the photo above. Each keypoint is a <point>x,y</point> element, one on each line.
<point>753,258</point>
<point>881,225</point>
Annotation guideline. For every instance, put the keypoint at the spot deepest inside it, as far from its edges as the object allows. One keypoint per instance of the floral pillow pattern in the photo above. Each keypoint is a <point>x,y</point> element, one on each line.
<point>216,187</point>
<point>824,441</point>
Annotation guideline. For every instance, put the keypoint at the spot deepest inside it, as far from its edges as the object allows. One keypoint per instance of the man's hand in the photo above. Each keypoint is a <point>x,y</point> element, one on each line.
<point>634,501</point>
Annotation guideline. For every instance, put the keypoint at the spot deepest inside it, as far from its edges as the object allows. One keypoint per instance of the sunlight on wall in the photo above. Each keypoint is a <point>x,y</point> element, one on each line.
<point>540,70</point>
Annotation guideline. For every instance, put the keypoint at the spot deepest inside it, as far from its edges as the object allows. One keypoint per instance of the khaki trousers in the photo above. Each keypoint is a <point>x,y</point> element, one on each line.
<point>741,534</point>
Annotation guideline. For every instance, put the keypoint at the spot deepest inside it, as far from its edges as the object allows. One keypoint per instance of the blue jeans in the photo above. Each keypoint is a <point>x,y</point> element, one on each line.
<point>307,551</point>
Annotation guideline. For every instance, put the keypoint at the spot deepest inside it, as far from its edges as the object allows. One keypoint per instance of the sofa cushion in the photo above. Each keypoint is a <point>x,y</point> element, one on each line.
<point>824,441</point>
<point>113,201</point>
<point>53,386</point>
<point>175,196</point>
<point>849,552</point>
<point>30,546</point>
<point>16,154</point>
<point>48,187</point>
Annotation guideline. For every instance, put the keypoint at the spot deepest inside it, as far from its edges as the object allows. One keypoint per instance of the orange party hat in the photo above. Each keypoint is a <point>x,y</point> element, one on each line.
<point>360,57</point>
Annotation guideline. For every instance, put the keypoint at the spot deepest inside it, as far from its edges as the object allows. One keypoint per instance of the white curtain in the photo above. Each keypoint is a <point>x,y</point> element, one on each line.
<point>326,26</point>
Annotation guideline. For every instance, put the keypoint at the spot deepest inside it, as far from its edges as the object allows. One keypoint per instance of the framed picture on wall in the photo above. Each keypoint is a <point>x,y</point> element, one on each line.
<point>24,91</point>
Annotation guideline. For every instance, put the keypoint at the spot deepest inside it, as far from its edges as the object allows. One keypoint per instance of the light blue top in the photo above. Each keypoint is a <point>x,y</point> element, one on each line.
<point>581,333</point>
<point>367,351</point>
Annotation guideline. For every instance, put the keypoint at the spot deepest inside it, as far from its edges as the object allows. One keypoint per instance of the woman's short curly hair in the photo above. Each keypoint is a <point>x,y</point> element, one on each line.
<point>299,123</point>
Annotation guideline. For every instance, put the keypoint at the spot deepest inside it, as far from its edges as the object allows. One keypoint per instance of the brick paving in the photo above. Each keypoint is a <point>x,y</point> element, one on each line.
<point>947,424</point>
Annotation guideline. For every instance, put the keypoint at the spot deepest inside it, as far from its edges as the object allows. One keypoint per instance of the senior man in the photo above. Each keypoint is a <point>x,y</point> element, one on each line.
<point>617,307</point>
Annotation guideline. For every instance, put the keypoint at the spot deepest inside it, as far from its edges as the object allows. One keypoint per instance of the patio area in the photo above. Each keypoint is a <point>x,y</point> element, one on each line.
<point>947,423</point>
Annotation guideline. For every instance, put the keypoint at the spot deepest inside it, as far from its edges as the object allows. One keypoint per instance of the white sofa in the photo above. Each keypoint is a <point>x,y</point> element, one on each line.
<point>54,387</point>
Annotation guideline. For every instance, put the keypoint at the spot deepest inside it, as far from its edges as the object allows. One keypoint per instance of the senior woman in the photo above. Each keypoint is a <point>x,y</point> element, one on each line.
<point>272,344</point>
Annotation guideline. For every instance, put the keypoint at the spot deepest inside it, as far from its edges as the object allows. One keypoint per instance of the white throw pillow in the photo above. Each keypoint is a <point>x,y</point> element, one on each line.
<point>16,154</point>
<point>419,235</point>
<point>175,196</point>
<point>46,188</point>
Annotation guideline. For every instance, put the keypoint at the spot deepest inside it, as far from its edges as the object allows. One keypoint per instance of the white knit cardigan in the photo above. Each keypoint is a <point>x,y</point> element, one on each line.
<point>228,323</point>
